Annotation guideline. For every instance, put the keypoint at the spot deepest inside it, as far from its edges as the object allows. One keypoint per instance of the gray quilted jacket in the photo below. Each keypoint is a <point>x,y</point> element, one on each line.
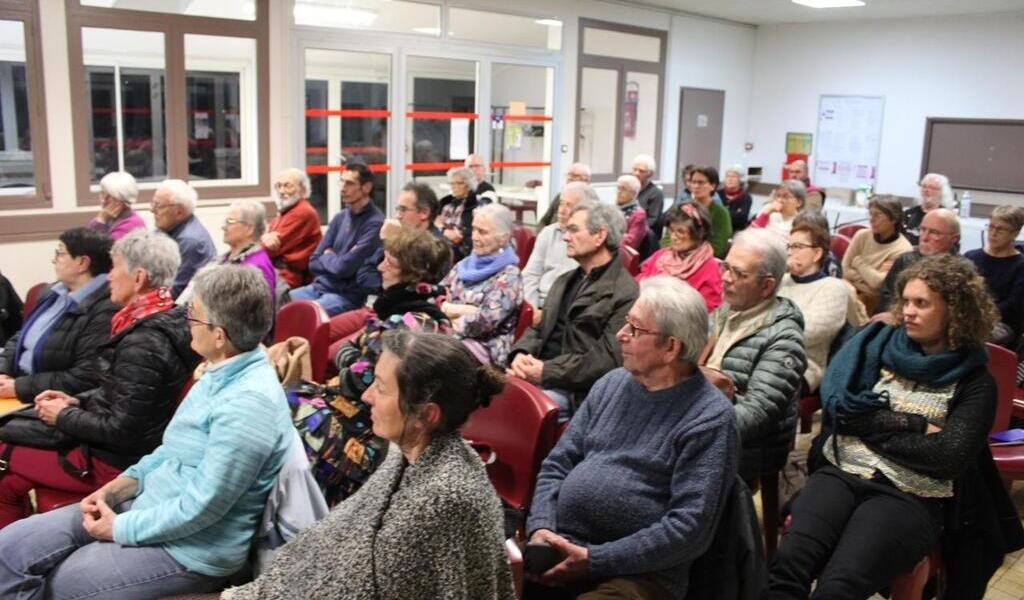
<point>766,367</point>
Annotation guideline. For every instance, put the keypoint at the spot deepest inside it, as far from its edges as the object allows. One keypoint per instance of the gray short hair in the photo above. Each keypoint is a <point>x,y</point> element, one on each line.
<point>631,182</point>
<point>252,213</point>
<point>465,174</point>
<point>500,216</point>
<point>585,191</point>
<point>738,170</point>
<point>120,185</point>
<point>152,251</point>
<point>770,247</point>
<point>601,215</point>
<point>181,193</point>
<point>647,161</point>
<point>238,300</point>
<point>679,311</point>
<point>797,188</point>
<point>1011,215</point>
<point>300,177</point>
<point>583,168</point>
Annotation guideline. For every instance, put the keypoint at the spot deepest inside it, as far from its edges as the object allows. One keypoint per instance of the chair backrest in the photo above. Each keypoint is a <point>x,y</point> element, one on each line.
<point>32,297</point>
<point>630,259</point>
<point>519,428</point>
<point>1002,365</point>
<point>306,319</point>
<point>849,229</point>
<point>525,238</point>
<point>525,319</point>
<point>838,246</point>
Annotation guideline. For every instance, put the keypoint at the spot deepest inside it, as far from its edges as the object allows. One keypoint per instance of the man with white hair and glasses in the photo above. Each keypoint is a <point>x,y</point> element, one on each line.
<point>173,206</point>
<point>935,193</point>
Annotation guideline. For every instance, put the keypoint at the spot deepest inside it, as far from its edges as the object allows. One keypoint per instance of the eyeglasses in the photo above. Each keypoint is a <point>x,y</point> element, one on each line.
<point>634,331</point>
<point>1001,229</point>
<point>737,274</point>
<point>154,206</point>
<point>928,231</point>
<point>190,315</point>
<point>403,209</point>
<point>232,221</point>
<point>797,246</point>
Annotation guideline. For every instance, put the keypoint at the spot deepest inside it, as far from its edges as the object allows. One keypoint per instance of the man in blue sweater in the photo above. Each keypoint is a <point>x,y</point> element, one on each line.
<point>173,205</point>
<point>633,491</point>
<point>341,262</point>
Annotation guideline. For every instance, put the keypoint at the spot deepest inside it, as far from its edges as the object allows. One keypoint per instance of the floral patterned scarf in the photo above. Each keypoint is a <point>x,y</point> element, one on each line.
<point>147,304</point>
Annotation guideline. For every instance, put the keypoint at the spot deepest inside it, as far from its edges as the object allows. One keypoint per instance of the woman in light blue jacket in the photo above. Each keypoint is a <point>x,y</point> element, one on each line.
<point>182,519</point>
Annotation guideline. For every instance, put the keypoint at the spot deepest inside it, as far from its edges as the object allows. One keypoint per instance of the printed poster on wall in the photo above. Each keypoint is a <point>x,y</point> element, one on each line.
<point>849,139</point>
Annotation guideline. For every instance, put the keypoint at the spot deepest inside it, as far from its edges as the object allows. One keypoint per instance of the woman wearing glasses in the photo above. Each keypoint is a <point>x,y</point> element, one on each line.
<point>777,216</point>
<point>1002,266</point>
<point>690,256</point>
<point>826,303</point>
<point>873,251</point>
<point>141,370</point>
<point>197,498</point>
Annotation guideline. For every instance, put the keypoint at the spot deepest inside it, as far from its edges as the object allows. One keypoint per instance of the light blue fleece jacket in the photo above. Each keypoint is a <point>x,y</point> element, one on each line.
<point>202,492</point>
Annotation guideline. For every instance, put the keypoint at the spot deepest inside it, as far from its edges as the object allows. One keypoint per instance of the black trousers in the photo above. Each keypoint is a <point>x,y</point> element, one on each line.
<point>853,535</point>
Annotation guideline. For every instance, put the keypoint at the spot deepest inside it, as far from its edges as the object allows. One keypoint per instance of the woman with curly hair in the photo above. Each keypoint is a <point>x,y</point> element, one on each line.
<point>907,409</point>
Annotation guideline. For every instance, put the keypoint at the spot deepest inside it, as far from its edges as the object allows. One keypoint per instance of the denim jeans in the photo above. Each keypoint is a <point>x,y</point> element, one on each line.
<point>563,398</point>
<point>52,556</point>
<point>334,304</point>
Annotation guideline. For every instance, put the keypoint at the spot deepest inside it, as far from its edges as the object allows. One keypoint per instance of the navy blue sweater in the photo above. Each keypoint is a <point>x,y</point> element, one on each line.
<point>640,478</point>
<point>1004,278</point>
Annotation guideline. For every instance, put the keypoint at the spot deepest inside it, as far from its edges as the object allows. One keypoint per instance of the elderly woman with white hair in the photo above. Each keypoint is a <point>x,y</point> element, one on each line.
<point>632,492</point>
<point>626,191</point>
<point>243,227</point>
<point>455,219</point>
<point>777,216</point>
<point>143,367</point>
<point>196,499</point>
<point>650,196</point>
<point>736,198</point>
<point>935,193</point>
<point>485,289</point>
<point>118,190</point>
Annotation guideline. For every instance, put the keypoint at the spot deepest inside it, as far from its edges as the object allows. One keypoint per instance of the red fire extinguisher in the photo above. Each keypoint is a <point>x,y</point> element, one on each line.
<point>629,109</point>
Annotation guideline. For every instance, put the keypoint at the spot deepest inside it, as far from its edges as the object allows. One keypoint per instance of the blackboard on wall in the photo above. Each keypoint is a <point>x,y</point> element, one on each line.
<point>976,154</point>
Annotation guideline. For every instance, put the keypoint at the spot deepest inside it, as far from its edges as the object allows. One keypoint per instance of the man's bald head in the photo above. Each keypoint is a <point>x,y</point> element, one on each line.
<point>940,232</point>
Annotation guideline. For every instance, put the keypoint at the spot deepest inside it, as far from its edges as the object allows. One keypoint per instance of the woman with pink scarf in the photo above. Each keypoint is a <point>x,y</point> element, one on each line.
<point>690,256</point>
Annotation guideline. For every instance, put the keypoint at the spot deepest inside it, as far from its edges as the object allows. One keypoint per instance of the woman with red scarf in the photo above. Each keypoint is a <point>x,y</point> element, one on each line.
<point>142,368</point>
<point>690,256</point>
<point>736,198</point>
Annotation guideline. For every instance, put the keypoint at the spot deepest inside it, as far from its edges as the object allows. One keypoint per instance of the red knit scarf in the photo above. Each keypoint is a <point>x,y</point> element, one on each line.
<point>733,194</point>
<point>143,306</point>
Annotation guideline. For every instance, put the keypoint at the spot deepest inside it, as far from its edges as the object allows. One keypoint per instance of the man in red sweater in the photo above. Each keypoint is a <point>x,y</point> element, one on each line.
<point>295,232</point>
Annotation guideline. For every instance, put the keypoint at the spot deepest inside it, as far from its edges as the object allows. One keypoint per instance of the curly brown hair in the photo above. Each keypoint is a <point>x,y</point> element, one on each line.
<point>971,312</point>
<point>422,257</point>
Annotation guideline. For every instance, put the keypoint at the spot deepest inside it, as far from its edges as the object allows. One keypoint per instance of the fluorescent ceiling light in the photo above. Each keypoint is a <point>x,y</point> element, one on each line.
<point>549,22</point>
<point>829,3</point>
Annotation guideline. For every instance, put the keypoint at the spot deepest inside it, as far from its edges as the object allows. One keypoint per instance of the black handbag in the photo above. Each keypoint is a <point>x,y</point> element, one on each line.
<point>23,428</point>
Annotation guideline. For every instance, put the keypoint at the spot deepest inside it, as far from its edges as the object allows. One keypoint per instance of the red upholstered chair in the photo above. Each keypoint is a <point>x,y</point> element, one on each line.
<point>517,430</point>
<point>1018,404</point>
<point>32,297</point>
<point>525,319</point>
<point>524,238</point>
<point>849,229</point>
<point>630,259</point>
<point>306,319</point>
<point>838,246</point>
<point>1002,364</point>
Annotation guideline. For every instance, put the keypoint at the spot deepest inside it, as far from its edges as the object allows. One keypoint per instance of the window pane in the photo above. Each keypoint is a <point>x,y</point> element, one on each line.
<point>483,26</point>
<point>380,15</point>
<point>316,144</point>
<point>521,99</point>
<point>125,92</point>
<point>597,119</point>
<point>442,125</point>
<point>639,117</point>
<point>617,44</point>
<point>17,173</point>
<point>225,9</point>
<point>221,104</point>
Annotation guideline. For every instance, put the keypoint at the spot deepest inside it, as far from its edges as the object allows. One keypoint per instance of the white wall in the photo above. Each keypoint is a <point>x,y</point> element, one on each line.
<point>940,67</point>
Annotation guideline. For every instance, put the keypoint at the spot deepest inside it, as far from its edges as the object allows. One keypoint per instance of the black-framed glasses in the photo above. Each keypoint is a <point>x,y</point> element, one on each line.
<point>1001,229</point>
<point>634,331</point>
<point>797,246</point>
<point>190,316</point>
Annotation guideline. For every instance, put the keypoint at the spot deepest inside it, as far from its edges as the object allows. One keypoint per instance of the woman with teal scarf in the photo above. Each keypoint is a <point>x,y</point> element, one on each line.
<point>485,289</point>
<point>907,410</point>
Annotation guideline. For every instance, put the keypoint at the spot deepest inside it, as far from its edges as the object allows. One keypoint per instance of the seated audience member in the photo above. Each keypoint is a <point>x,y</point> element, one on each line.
<point>56,347</point>
<point>636,218</point>
<point>759,344</point>
<point>417,207</point>
<point>907,411</point>
<point>940,234</point>
<point>873,251</point>
<point>577,173</point>
<point>173,205</point>
<point>1002,266</point>
<point>690,258</point>
<point>141,368</point>
<point>456,217</point>
<point>574,344</point>
<point>118,190</point>
<point>833,267</point>
<point>632,492</point>
<point>550,258</point>
<point>475,164</point>
<point>736,198</point>
<point>351,240</point>
<point>684,191</point>
<point>935,193</point>
<point>197,498</point>
<point>294,233</point>
<point>703,182</point>
<point>825,302</point>
<point>485,289</point>
<point>650,197</point>
<point>11,308</point>
<point>777,216</point>
<point>797,171</point>
<point>427,524</point>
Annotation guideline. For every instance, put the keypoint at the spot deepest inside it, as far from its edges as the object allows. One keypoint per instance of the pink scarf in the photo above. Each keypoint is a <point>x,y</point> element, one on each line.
<point>671,263</point>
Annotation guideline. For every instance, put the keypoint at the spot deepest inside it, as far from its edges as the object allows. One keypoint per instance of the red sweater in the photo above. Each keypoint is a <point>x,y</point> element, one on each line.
<point>298,227</point>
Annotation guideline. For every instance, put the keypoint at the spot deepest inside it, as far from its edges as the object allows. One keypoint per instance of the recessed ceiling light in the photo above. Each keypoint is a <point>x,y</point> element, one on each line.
<point>829,3</point>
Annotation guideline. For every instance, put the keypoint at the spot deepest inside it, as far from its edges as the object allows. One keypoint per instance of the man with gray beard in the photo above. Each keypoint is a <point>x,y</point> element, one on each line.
<point>294,233</point>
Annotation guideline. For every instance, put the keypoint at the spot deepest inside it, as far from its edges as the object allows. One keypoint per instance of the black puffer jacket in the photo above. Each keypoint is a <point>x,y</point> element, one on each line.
<point>143,369</point>
<point>67,360</point>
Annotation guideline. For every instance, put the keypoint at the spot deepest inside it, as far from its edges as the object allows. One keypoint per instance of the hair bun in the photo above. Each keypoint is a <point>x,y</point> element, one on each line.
<point>489,383</point>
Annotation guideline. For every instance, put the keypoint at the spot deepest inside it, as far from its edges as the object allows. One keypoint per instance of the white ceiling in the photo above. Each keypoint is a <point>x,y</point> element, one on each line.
<point>773,12</point>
